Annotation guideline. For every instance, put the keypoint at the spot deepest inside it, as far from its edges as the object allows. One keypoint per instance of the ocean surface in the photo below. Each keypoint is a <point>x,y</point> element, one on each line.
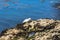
<point>13,12</point>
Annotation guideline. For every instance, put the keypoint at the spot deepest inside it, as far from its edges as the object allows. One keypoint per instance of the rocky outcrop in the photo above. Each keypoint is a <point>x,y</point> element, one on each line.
<point>41,29</point>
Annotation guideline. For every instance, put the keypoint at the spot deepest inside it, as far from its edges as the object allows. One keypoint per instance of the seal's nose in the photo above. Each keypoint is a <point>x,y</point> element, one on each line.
<point>56,5</point>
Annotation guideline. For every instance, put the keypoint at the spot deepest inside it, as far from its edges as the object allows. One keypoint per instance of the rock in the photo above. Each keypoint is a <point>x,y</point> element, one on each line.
<point>56,5</point>
<point>42,29</point>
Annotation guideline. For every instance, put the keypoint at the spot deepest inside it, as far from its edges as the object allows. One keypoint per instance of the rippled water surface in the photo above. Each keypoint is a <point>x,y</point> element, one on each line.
<point>15,11</point>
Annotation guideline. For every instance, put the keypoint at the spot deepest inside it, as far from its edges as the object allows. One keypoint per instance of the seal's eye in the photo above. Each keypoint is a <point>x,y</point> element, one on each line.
<point>56,5</point>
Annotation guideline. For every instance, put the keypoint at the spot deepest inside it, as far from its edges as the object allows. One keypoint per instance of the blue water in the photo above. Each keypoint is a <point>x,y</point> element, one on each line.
<point>13,12</point>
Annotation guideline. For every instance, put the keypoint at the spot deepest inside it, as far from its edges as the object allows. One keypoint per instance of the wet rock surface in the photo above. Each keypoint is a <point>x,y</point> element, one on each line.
<point>41,29</point>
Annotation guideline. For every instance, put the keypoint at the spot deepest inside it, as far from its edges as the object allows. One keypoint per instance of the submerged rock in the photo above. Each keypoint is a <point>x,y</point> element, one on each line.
<point>42,29</point>
<point>56,5</point>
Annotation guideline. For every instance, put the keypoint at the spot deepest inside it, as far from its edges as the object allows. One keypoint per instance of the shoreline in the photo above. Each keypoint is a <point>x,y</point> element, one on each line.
<point>41,29</point>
